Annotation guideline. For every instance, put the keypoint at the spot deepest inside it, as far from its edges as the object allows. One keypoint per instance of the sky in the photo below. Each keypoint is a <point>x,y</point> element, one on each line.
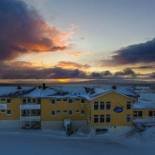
<point>77,38</point>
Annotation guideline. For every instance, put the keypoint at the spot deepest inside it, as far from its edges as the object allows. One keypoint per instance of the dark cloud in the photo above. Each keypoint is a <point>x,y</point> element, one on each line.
<point>24,70</point>
<point>70,64</point>
<point>144,67</point>
<point>152,75</point>
<point>23,30</point>
<point>126,72</point>
<point>58,72</point>
<point>138,53</point>
<point>100,75</point>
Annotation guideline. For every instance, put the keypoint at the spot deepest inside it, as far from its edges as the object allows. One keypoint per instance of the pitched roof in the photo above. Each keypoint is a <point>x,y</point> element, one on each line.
<point>87,92</point>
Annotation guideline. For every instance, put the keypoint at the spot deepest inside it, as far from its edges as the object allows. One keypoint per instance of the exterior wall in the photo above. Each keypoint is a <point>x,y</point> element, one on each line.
<point>14,107</point>
<point>145,113</point>
<point>60,124</point>
<point>63,107</point>
<point>82,113</point>
<point>117,119</point>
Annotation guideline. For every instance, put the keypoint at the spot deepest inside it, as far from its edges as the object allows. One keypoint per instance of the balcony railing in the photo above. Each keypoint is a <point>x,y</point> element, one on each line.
<point>29,106</point>
<point>3,106</point>
<point>30,118</point>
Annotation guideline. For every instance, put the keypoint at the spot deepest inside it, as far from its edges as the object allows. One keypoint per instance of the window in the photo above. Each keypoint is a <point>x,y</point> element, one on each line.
<point>70,112</point>
<point>82,111</point>
<point>102,105</point>
<point>24,100</point>
<point>108,102</point>
<point>82,101</point>
<point>70,101</point>
<point>138,114</point>
<point>152,113</point>
<point>58,99</point>
<point>35,112</point>
<point>101,118</point>
<point>128,106</point>
<point>53,101</point>
<point>29,100</point>
<point>8,100</point>
<point>38,101</point>
<point>53,112</point>
<point>108,106</point>
<point>96,105</point>
<point>33,100</point>
<point>25,112</point>
<point>3,99</point>
<point>108,119</point>
<point>65,111</point>
<point>58,111</point>
<point>65,99</point>
<point>96,119</point>
<point>128,118</point>
<point>2,110</point>
<point>9,112</point>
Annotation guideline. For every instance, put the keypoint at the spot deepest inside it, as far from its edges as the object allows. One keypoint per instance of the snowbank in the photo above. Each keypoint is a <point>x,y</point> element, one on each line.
<point>34,142</point>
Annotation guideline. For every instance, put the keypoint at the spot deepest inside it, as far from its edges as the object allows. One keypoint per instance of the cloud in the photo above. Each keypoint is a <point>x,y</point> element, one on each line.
<point>23,30</point>
<point>152,75</point>
<point>126,72</point>
<point>72,65</point>
<point>144,67</point>
<point>73,53</point>
<point>58,72</point>
<point>100,75</point>
<point>137,53</point>
<point>26,70</point>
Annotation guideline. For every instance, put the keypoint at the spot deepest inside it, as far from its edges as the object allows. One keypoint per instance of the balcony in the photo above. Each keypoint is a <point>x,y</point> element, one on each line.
<point>3,106</point>
<point>30,107</point>
<point>30,118</point>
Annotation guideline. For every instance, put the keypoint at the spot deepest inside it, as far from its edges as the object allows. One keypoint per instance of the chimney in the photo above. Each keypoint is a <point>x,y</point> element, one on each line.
<point>114,87</point>
<point>44,86</point>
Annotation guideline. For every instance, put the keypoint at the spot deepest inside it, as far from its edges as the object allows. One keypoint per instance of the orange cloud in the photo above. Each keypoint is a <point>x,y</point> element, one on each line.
<point>72,53</point>
<point>27,32</point>
<point>72,65</point>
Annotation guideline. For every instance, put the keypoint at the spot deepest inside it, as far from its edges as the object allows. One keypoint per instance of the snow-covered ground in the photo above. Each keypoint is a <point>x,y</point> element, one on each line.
<point>49,143</point>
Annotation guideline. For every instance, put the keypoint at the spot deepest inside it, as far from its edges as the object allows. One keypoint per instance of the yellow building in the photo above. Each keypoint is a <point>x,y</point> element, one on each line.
<point>111,109</point>
<point>91,107</point>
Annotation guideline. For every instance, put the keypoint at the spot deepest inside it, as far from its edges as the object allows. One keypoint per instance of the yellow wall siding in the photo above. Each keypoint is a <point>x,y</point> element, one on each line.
<point>117,119</point>
<point>14,106</point>
<point>47,107</point>
<point>115,99</point>
<point>145,112</point>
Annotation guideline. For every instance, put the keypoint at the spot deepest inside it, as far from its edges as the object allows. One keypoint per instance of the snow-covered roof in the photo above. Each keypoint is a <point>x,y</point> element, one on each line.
<point>147,97</point>
<point>8,91</point>
<point>76,92</point>
<point>67,91</point>
<point>143,105</point>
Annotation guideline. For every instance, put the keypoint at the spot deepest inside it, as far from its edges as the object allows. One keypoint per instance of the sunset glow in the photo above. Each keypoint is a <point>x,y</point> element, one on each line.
<point>77,39</point>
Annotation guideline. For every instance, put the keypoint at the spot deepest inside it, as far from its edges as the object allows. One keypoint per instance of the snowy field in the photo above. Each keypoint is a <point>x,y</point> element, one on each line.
<point>48,143</point>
